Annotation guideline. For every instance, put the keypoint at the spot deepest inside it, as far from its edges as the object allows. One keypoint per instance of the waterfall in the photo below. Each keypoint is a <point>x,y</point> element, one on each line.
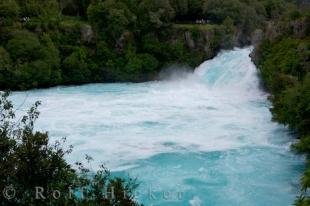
<point>206,133</point>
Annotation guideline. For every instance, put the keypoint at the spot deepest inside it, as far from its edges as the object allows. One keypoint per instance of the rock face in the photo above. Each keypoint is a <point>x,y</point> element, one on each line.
<point>272,31</point>
<point>121,42</point>
<point>256,39</point>
<point>204,42</point>
<point>300,27</point>
<point>257,36</point>
<point>87,33</point>
<point>200,41</point>
<point>189,40</point>
<point>207,44</point>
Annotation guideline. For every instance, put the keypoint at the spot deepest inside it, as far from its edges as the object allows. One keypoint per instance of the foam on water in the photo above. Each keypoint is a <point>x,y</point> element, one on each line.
<point>208,133</point>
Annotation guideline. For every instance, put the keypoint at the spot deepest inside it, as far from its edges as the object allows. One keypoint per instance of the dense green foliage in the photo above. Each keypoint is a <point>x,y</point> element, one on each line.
<point>283,58</point>
<point>50,42</point>
<point>28,160</point>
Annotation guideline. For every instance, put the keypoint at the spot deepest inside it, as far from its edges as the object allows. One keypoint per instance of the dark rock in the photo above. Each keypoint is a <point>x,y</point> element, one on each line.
<point>121,42</point>
<point>87,33</point>
<point>300,27</point>
<point>257,37</point>
<point>271,31</point>
<point>189,40</point>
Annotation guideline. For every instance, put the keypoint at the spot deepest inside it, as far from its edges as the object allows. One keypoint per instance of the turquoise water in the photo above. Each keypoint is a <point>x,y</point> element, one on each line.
<point>199,138</point>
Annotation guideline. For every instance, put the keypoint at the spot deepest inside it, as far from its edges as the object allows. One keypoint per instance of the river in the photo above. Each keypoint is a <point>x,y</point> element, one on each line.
<point>195,138</point>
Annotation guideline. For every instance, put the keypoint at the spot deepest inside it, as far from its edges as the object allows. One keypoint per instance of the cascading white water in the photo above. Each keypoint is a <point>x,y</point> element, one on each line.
<point>207,134</point>
<point>234,70</point>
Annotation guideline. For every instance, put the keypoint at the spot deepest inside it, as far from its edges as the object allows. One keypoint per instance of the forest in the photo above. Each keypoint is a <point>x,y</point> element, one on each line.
<point>283,58</point>
<point>45,43</point>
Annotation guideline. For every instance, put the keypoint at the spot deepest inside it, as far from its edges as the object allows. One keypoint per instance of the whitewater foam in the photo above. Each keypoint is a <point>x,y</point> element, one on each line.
<point>218,107</point>
<point>207,132</point>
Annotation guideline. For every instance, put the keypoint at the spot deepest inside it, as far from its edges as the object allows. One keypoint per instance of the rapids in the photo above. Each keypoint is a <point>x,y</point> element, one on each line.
<point>200,138</point>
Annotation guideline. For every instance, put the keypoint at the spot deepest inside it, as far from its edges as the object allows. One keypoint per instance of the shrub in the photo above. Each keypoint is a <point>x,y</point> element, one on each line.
<point>28,160</point>
<point>9,9</point>
<point>75,67</point>
<point>24,46</point>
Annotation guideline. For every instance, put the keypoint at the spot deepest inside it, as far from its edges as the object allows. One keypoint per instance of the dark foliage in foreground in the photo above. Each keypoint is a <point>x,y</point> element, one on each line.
<point>49,42</point>
<point>28,160</point>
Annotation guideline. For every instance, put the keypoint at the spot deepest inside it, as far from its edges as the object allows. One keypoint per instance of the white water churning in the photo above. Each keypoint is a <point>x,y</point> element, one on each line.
<point>207,134</point>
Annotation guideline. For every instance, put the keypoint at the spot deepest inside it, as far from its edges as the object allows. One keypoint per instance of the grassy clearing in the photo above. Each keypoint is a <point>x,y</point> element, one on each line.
<point>71,22</point>
<point>202,27</point>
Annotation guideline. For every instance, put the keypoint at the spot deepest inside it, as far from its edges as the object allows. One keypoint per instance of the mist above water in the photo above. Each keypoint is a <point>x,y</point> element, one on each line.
<point>208,133</point>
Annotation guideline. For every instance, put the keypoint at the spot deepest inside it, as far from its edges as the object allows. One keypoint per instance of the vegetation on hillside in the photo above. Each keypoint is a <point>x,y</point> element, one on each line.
<point>50,42</point>
<point>283,57</point>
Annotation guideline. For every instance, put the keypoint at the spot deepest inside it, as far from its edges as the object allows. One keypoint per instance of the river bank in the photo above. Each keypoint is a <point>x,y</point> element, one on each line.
<point>207,134</point>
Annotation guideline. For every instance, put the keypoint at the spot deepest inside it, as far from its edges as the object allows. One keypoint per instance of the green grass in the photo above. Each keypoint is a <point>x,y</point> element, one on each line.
<point>71,22</point>
<point>202,27</point>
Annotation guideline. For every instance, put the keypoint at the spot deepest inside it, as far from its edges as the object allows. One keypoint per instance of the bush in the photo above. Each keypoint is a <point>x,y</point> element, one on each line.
<point>281,63</point>
<point>75,67</point>
<point>35,62</point>
<point>284,65</point>
<point>24,46</point>
<point>5,68</point>
<point>28,160</point>
<point>9,9</point>
<point>218,10</point>
<point>274,8</point>
<point>292,107</point>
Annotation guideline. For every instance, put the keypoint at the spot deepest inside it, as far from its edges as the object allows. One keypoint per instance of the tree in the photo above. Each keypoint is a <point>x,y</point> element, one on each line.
<point>274,8</point>
<point>195,8</point>
<point>9,10</point>
<point>110,17</point>
<point>29,8</point>
<point>52,58</point>
<point>180,7</point>
<point>24,46</point>
<point>75,67</point>
<point>218,10</point>
<point>5,68</point>
<point>74,7</point>
<point>35,62</point>
<point>28,160</point>
<point>158,16</point>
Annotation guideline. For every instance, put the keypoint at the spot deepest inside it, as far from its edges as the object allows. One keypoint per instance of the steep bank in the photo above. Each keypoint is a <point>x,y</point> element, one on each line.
<point>207,134</point>
<point>48,43</point>
<point>92,60</point>
<point>283,57</point>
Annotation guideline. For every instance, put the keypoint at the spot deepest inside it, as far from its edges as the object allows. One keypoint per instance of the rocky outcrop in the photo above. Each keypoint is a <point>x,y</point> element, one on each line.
<point>300,27</point>
<point>121,42</point>
<point>87,33</point>
<point>271,31</point>
<point>199,40</point>
<point>257,37</point>
<point>189,40</point>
